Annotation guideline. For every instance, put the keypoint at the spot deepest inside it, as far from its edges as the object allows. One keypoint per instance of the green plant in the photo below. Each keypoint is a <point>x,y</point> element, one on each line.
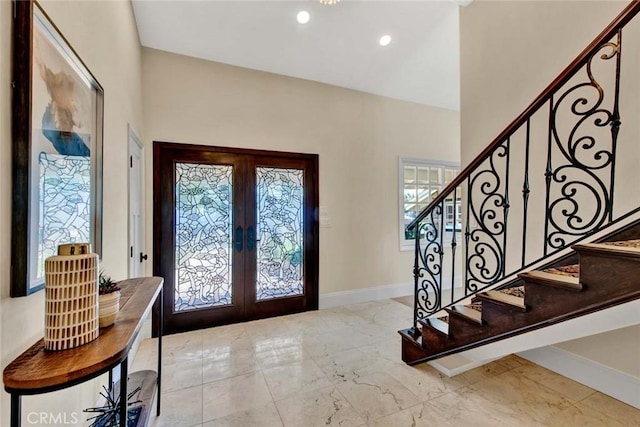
<point>106,285</point>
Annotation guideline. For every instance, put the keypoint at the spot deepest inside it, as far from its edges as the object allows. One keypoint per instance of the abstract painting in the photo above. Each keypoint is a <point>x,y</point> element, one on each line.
<point>57,141</point>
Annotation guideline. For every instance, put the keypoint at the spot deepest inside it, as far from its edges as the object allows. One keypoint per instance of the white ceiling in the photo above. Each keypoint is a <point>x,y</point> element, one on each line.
<point>338,46</point>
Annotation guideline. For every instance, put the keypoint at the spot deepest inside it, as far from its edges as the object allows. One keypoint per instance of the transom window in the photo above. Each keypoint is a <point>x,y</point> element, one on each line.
<point>420,182</point>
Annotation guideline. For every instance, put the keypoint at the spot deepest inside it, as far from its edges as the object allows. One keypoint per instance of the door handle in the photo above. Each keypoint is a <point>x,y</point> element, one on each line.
<point>251,238</point>
<point>143,257</point>
<point>239,238</point>
<point>251,235</point>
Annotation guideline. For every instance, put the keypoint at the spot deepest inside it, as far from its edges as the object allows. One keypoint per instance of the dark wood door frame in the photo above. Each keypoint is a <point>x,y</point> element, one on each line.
<point>164,160</point>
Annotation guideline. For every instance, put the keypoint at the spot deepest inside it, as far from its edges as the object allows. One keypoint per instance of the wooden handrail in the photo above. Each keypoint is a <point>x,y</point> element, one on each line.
<point>620,21</point>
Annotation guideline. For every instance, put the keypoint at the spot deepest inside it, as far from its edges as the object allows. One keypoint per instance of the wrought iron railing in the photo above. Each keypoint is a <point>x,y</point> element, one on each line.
<point>550,173</point>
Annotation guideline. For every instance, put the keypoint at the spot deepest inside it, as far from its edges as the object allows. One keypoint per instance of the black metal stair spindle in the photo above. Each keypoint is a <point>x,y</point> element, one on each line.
<point>441,259</point>
<point>615,124</point>
<point>453,246</point>
<point>525,193</point>
<point>505,205</point>
<point>416,271</point>
<point>547,177</point>
<point>467,234</point>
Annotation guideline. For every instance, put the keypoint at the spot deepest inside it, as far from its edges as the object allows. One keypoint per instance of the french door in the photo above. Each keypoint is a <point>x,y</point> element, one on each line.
<point>235,234</point>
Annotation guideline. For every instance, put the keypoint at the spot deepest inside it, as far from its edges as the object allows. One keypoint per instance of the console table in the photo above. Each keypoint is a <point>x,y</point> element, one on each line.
<point>39,371</point>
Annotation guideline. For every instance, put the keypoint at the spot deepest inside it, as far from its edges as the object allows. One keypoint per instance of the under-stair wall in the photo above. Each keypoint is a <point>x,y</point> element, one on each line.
<point>509,52</point>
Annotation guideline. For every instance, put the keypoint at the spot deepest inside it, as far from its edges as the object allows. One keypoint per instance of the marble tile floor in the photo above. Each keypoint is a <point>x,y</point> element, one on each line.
<point>342,367</point>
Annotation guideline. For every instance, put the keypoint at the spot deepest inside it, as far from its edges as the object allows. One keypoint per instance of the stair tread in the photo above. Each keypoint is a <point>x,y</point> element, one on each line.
<point>467,312</point>
<point>476,305</point>
<point>625,243</point>
<point>541,274</point>
<point>437,325</point>
<point>624,248</point>
<point>567,270</point>
<point>516,291</point>
<point>406,333</point>
<point>504,298</point>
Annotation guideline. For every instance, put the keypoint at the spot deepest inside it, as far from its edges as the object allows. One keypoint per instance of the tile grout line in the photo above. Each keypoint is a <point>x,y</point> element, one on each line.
<point>202,379</point>
<point>273,401</point>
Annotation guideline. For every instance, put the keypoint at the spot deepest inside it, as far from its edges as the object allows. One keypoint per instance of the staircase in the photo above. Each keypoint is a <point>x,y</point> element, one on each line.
<point>606,276</point>
<point>497,278</point>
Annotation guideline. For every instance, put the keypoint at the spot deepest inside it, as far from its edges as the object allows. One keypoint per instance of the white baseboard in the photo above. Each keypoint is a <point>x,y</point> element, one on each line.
<point>456,364</point>
<point>605,379</point>
<point>337,299</point>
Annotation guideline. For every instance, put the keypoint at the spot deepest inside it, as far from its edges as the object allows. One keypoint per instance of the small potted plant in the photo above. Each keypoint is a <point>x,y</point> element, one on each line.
<point>108,300</point>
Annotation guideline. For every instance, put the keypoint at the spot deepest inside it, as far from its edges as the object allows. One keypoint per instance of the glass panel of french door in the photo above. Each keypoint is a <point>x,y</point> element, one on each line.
<point>204,235</point>
<point>280,232</point>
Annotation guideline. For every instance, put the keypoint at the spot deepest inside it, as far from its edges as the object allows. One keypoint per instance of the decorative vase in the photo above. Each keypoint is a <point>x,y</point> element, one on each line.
<point>71,300</point>
<point>109,305</point>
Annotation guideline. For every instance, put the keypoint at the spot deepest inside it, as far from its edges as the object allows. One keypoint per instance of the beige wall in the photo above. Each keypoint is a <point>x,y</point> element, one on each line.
<point>358,138</point>
<point>606,348</point>
<point>510,51</point>
<point>104,35</point>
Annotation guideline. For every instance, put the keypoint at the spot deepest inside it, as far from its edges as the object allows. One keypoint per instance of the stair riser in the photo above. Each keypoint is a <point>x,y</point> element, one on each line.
<point>433,339</point>
<point>601,271</point>
<point>496,306</point>
<point>500,319</point>
<point>411,353</point>
<point>464,329</point>
<point>553,303</point>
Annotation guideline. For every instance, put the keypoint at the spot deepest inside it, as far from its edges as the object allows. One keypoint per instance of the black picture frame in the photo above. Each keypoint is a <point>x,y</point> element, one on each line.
<point>69,128</point>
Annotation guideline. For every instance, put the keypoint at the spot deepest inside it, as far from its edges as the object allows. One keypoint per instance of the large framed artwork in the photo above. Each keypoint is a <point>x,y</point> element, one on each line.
<point>57,119</point>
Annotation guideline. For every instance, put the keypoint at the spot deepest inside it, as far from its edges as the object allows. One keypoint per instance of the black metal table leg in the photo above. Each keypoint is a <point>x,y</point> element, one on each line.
<point>16,409</point>
<point>111,379</point>
<point>160,324</point>
<point>124,368</point>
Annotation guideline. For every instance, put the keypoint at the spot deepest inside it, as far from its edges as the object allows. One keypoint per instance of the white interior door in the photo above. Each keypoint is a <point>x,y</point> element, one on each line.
<point>137,254</point>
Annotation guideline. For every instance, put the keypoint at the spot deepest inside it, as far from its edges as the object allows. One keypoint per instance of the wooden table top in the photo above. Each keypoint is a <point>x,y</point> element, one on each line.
<point>38,370</point>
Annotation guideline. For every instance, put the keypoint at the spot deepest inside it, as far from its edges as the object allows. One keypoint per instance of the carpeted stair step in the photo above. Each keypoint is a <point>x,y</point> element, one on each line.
<point>516,291</point>
<point>512,299</point>
<point>471,313</point>
<point>626,248</point>
<point>546,278</point>
<point>436,325</point>
<point>566,270</point>
<point>634,244</point>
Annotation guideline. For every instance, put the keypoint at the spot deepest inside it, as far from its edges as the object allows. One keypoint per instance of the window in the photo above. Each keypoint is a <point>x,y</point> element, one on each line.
<point>420,182</point>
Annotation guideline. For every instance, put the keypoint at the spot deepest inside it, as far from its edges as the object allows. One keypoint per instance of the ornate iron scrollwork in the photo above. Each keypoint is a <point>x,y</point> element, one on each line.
<point>428,265</point>
<point>488,208</point>
<point>580,183</point>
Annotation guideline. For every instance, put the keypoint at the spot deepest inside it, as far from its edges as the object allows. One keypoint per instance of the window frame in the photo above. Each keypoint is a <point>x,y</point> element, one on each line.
<point>404,244</point>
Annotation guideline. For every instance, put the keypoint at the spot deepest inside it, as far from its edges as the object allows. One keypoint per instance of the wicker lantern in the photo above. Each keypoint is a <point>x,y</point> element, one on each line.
<point>71,288</point>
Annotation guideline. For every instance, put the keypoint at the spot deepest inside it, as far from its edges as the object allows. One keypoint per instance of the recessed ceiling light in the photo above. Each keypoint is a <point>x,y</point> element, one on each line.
<point>303,17</point>
<point>385,40</point>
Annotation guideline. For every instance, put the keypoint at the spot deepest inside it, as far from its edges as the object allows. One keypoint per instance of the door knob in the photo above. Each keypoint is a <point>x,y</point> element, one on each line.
<point>251,238</point>
<point>239,238</point>
<point>143,257</point>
